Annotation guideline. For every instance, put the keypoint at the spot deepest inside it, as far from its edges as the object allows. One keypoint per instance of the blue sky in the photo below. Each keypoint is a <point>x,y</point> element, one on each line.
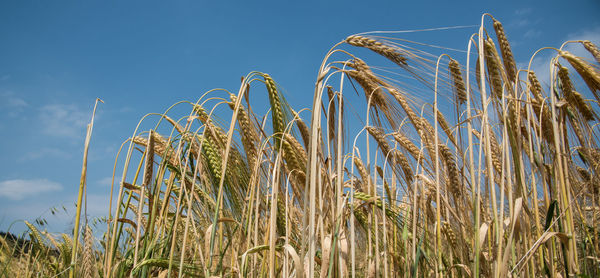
<point>56,57</point>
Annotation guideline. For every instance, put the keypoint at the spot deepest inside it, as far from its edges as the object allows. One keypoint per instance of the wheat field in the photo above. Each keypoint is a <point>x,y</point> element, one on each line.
<point>462,165</point>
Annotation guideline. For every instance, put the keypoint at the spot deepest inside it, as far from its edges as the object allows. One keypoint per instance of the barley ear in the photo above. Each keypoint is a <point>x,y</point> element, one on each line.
<point>459,84</point>
<point>34,234</point>
<point>574,98</point>
<point>588,73</point>
<point>149,163</point>
<point>278,118</point>
<point>249,135</point>
<point>88,261</point>
<point>507,56</point>
<point>453,175</point>
<point>591,47</point>
<point>362,171</point>
<point>304,132</point>
<point>584,107</point>
<point>445,127</point>
<point>386,51</point>
<point>493,68</point>
<point>406,144</point>
<point>535,87</point>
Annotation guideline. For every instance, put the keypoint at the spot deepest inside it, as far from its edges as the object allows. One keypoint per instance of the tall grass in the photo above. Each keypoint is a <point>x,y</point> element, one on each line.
<point>496,176</point>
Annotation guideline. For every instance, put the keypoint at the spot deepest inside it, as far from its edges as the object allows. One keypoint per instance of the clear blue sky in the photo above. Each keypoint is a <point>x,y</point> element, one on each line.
<point>56,57</point>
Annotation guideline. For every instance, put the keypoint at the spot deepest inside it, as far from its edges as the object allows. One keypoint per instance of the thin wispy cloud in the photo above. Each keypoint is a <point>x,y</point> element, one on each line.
<point>526,24</point>
<point>520,22</point>
<point>45,153</point>
<point>523,11</point>
<point>532,34</point>
<point>17,102</point>
<point>61,120</point>
<point>98,204</point>
<point>19,189</point>
<point>105,182</point>
<point>13,104</point>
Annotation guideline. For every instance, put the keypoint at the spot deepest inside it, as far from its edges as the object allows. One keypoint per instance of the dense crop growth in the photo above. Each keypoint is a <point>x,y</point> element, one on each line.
<point>495,177</point>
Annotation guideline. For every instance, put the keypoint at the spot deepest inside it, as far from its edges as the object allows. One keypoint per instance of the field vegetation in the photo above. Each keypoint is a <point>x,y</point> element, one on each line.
<point>477,168</point>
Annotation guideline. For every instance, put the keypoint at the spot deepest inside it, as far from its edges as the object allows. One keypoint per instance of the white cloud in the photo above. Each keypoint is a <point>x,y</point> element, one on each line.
<point>62,120</point>
<point>19,189</point>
